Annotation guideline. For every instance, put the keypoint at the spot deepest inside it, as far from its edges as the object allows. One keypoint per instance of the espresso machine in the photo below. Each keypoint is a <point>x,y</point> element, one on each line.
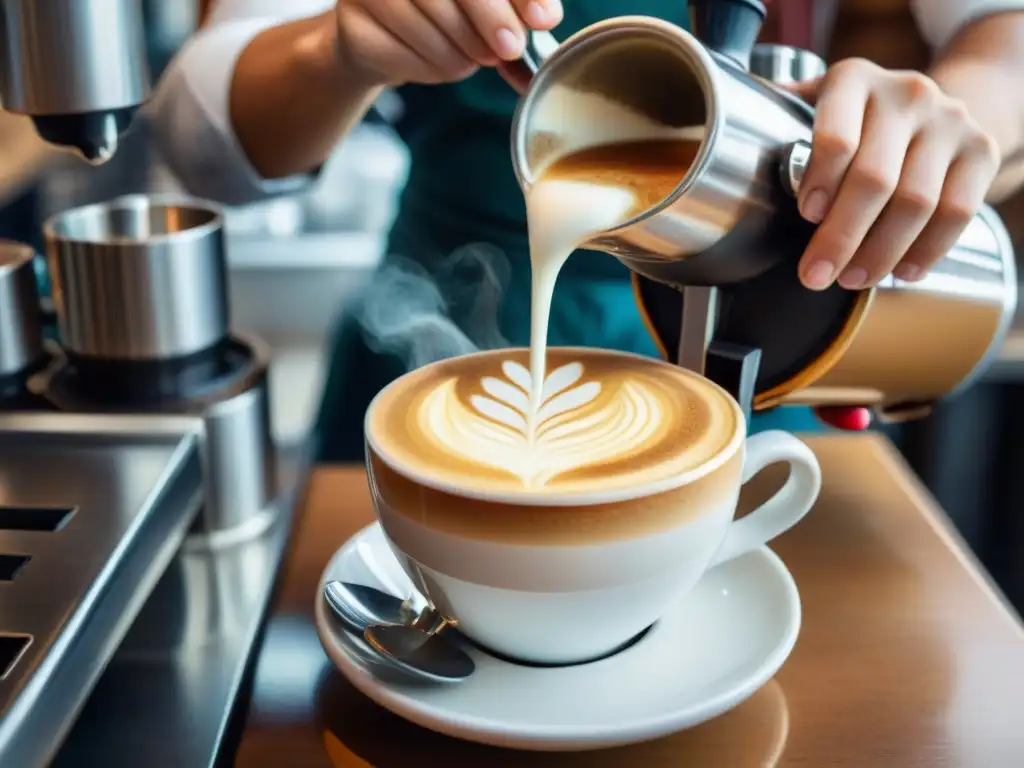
<point>715,264</point>
<point>142,506</point>
<point>78,68</point>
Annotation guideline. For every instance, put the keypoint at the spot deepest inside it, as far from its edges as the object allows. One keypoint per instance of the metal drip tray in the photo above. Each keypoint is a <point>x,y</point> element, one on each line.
<point>92,511</point>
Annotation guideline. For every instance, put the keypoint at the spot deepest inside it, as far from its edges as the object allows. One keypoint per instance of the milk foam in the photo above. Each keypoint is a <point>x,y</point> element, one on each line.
<point>562,436</point>
<point>581,120</point>
<point>607,421</point>
<point>562,215</point>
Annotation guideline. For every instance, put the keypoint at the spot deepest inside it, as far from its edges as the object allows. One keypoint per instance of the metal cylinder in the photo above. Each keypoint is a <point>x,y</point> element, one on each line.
<point>722,224</point>
<point>240,465</point>
<point>139,277</point>
<point>21,327</point>
<point>60,57</point>
<point>783,64</point>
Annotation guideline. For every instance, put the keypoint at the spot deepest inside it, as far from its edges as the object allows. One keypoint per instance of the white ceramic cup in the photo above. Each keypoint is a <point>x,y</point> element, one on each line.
<point>558,599</point>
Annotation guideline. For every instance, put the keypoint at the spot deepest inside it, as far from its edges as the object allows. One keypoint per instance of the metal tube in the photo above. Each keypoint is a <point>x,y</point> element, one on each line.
<point>21,328</point>
<point>139,277</point>
<point>239,466</point>
<point>60,57</point>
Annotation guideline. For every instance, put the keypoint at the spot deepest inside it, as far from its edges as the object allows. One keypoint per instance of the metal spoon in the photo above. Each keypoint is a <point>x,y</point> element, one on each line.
<point>402,637</point>
<point>359,606</point>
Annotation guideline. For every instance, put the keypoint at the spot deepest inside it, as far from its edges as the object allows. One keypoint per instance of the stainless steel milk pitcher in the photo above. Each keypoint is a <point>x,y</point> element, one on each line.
<point>723,223</point>
<point>732,216</point>
<point>724,246</point>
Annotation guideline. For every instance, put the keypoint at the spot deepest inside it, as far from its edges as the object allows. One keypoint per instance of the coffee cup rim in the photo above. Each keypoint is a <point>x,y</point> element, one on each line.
<point>565,498</point>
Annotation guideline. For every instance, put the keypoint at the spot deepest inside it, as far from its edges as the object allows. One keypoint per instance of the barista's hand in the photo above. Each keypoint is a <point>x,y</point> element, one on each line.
<point>391,42</point>
<point>851,419</point>
<point>898,169</point>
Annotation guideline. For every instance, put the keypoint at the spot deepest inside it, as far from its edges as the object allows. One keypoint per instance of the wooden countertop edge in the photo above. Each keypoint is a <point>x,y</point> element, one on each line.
<point>939,522</point>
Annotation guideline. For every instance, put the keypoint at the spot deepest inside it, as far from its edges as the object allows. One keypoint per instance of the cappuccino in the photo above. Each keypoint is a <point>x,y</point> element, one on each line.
<point>606,422</point>
<point>562,547</point>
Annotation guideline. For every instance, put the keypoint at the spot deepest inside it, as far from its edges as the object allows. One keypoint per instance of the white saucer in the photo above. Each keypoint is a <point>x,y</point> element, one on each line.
<point>725,641</point>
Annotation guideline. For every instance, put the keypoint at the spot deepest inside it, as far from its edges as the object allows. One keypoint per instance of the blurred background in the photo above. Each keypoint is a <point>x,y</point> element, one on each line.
<point>294,262</point>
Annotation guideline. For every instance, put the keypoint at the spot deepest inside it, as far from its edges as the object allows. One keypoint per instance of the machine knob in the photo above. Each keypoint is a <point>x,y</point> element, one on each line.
<point>21,326</point>
<point>795,160</point>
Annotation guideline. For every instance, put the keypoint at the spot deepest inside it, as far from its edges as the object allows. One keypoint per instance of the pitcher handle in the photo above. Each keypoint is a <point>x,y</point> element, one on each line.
<point>539,46</point>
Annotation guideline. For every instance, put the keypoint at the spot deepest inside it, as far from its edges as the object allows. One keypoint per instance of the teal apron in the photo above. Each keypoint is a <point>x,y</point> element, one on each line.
<point>461,224</point>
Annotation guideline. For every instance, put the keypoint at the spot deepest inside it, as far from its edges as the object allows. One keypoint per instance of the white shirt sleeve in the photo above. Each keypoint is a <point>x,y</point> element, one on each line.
<point>189,112</point>
<point>940,20</point>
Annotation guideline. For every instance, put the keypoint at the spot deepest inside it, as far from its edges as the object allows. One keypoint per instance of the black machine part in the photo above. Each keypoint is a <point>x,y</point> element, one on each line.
<point>773,314</point>
<point>729,27</point>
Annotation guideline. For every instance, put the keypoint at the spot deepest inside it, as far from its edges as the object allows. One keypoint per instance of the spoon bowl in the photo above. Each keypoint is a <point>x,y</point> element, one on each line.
<point>405,638</point>
<point>359,606</point>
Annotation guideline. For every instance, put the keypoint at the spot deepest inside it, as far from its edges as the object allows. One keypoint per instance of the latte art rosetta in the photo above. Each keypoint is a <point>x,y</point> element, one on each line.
<point>572,429</point>
<point>603,421</point>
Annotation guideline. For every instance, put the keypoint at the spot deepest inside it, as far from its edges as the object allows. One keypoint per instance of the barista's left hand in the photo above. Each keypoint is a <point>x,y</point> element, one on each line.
<point>898,168</point>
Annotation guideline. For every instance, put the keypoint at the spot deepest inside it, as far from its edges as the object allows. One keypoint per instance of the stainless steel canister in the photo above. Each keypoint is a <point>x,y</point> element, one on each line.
<point>21,328</point>
<point>139,277</point>
<point>239,463</point>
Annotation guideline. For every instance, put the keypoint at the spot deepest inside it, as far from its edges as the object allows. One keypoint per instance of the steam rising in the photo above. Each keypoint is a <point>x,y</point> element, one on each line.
<point>422,317</point>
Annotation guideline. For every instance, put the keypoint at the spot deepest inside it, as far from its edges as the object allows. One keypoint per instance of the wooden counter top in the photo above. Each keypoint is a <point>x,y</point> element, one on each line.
<point>907,656</point>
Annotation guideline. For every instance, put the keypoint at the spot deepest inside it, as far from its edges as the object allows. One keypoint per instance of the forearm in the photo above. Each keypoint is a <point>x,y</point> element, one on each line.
<point>291,98</point>
<point>984,67</point>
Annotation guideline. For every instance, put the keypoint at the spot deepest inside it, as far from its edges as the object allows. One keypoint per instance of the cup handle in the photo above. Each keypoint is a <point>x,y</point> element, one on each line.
<point>783,510</point>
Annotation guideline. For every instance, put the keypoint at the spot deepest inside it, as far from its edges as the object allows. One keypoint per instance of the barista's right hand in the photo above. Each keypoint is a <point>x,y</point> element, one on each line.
<point>392,42</point>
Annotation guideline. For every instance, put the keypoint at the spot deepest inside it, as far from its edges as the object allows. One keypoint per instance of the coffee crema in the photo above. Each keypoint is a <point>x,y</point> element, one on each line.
<point>607,421</point>
<point>649,170</point>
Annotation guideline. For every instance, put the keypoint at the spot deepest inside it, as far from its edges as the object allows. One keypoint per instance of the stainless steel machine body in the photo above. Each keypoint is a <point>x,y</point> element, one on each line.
<point>98,503</point>
<point>715,262</point>
<point>92,511</point>
<point>140,287</point>
<point>148,476</point>
<point>78,68</point>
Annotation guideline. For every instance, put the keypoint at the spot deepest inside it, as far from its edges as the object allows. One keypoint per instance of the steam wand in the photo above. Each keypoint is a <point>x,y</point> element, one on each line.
<point>697,326</point>
<point>734,367</point>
